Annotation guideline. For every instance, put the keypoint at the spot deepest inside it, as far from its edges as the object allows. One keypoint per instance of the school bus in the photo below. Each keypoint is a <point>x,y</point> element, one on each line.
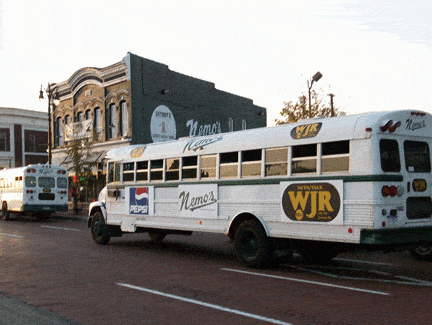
<point>320,187</point>
<point>37,190</point>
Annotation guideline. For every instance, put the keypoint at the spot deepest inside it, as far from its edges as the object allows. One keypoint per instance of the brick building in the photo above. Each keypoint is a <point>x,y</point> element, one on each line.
<point>23,137</point>
<point>141,101</point>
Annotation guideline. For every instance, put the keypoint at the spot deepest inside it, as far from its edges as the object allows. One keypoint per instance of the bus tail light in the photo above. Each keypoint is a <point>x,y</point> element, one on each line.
<point>61,172</point>
<point>389,191</point>
<point>29,191</point>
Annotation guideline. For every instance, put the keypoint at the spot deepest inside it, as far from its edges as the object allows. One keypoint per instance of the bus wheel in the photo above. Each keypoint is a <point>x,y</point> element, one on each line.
<point>5,212</point>
<point>98,229</point>
<point>252,246</point>
<point>317,252</point>
<point>422,252</point>
<point>157,235</point>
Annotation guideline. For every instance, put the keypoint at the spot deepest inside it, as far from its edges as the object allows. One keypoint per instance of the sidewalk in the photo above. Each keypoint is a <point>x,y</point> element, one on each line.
<point>71,215</point>
<point>15,312</point>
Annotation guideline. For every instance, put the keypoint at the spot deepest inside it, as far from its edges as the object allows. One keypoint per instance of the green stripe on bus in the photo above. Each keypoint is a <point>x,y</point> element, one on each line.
<point>267,181</point>
<point>396,236</point>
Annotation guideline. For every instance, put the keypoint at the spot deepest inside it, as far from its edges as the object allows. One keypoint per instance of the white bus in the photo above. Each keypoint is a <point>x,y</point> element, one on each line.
<point>37,190</point>
<point>320,187</point>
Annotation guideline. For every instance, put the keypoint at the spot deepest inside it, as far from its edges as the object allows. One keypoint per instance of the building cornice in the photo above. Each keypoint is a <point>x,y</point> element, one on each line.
<point>102,77</point>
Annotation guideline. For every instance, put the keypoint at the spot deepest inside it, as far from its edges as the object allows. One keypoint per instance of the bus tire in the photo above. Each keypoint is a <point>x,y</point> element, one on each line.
<point>98,229</point>
<point>157,236</point>
<point>252,246</point>
<point>5,212</point>
<point>422,252</point>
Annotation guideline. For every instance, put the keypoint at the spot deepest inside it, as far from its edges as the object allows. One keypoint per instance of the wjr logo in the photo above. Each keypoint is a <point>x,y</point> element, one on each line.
<point>138,200</point>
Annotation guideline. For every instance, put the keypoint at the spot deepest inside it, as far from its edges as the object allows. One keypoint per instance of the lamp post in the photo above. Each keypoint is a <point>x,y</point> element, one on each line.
<point>317,76</point>
<point>55,101</point>
<point>331,105</point>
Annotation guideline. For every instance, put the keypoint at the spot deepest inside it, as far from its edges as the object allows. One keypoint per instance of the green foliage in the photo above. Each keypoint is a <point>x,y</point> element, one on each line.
<point>80,160</point>
<point>293,112</point>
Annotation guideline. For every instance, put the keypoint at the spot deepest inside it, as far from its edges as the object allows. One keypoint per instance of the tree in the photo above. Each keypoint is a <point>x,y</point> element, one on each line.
<point>293,112</point>
<point>81,162</point>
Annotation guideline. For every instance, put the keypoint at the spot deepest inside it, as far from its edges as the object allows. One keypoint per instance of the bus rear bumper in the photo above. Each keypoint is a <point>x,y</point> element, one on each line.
<point>45,208</point>
<point>399,236</point>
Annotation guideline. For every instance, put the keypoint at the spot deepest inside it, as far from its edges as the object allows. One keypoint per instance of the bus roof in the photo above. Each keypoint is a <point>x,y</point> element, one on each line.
<point>35,166</point>
<point>358,126</point>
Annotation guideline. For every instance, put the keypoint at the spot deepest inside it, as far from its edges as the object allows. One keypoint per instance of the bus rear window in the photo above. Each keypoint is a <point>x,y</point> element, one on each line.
<point>389,153</point>
<point>62,182</point>
<point>30,181</point>
<point>417,157</point>
<point>46,182</point>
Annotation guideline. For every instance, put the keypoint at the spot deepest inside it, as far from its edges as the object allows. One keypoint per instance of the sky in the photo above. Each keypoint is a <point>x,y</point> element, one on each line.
<point>373,55</point>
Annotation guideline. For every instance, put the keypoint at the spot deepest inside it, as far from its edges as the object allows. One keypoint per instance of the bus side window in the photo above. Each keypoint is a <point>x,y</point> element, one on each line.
<point>335,156</point>
<point>156,170</point>
<point>189,167</point>
<point>208,166</point>
<point>110,173</point>
<point>304,159</point>
<point>142,171</point>
<point>116,172</point>
<point>251,163</point>
<point>229,164</point>
<point>389,153</point>
<point>172,169</point>
<point>128,172</point>
<point>276,162</point>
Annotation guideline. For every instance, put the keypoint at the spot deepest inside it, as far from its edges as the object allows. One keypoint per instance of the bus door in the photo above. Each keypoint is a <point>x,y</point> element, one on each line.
<point>417,175</point>
<point>412,197</point>
<point>116,203</point>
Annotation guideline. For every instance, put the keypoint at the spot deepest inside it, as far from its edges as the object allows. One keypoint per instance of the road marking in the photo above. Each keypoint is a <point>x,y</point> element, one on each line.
<point>10,235</point>
<point>361,261</point>
<point>205,304</point>
<point>60,228</point>
<point>309,282</point>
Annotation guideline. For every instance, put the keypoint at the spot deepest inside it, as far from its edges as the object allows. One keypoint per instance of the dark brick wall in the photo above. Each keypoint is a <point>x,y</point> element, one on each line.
<point>192,102</point>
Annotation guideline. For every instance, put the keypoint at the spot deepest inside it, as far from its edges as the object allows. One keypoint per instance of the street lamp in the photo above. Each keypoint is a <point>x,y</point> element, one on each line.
<point>332,113</point>
<point>55,99</point>
<point>317,76</point>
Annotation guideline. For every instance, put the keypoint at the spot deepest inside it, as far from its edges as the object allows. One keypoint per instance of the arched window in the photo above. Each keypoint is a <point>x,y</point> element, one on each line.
<point>123,119</point>
<point>80,117</point>
<point>67,119</point>
<point>88,115</point>
<point>113,126</point>
<point>59,132</point>
<point>98,122</point>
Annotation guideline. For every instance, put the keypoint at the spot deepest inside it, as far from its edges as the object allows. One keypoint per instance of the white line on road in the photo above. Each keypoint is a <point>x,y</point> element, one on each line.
<point>361,261</point>
<point>60,228</point>
<point>10,235</point>
<point>197,302</point>
<point>309,282</point>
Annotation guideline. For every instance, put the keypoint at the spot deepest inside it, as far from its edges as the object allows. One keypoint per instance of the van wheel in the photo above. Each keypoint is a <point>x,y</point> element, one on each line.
<point>157,235</point>
<point>98,229</point>
<point>422,252</point>
<point>252,246</point>
<point>5,212</point>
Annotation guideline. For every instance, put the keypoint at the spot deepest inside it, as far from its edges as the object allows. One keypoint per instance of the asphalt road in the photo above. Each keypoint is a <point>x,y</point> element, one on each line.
<point>53,273</point>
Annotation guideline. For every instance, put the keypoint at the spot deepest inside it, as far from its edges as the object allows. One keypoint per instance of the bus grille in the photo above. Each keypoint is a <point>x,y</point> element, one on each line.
<point>419,207</point>
<point>46,196</point>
